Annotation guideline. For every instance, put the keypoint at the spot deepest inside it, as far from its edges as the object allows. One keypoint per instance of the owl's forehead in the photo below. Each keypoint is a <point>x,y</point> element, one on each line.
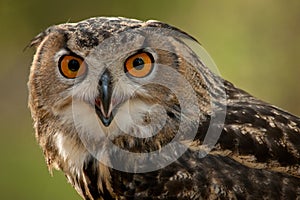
<point>89,33</point>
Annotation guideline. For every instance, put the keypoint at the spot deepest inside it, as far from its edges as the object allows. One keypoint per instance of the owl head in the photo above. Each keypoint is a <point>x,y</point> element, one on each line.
<point>118,89</point>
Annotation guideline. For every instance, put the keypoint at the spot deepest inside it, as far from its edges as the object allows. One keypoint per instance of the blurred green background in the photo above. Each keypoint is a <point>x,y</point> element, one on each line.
<point>256,45</point>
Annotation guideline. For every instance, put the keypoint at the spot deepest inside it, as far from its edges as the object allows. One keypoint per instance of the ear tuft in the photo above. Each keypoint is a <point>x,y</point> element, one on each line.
<point>39,38</point>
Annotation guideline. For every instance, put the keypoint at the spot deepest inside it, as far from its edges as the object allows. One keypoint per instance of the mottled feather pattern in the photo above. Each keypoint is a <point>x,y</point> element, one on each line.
<point>257,155</point>
<point>270,135</point>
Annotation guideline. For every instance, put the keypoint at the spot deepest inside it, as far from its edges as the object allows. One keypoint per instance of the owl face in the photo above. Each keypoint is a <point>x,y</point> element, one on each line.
<point>114,82</point>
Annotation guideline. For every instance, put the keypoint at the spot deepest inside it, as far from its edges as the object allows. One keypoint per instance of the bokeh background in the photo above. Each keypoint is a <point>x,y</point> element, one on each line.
<point>255,44</point>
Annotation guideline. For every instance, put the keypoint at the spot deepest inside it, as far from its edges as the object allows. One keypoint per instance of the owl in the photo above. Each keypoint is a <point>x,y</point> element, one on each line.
<point>128,109</point>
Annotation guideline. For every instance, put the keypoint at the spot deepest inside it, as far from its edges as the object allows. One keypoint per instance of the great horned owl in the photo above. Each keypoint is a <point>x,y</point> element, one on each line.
<point>128,110</point>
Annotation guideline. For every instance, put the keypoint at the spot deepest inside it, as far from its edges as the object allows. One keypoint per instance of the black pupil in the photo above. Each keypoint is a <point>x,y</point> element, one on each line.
<point>138,63</point>
<point>74,65</point>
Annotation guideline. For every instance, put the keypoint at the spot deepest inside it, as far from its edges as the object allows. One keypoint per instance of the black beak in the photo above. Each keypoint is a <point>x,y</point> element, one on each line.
<point>103,101</point>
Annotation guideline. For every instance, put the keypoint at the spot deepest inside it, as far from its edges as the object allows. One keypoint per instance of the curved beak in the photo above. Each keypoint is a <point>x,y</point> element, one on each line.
<point>103,101</point>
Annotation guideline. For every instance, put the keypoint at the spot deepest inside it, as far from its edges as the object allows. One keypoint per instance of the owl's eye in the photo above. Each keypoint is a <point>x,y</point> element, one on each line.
<point>139,65</point>
<point>72,66</point>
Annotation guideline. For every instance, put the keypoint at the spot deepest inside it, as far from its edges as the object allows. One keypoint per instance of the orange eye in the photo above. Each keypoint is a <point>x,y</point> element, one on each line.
<point>139,65</point>
<point>72,66</point>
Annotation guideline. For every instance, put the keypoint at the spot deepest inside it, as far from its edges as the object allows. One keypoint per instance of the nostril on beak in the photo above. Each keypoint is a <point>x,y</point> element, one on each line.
<point>105,78</point>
